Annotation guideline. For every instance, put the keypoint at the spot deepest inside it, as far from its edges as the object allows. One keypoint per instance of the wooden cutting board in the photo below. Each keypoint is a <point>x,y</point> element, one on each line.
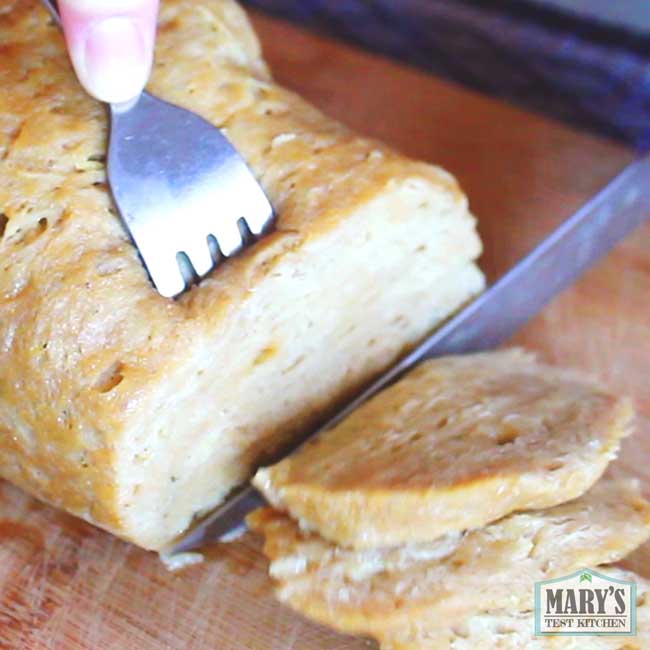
<point>65,584</point>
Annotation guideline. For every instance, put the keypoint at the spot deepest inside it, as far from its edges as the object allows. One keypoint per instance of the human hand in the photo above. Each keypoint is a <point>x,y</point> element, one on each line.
<point>110,44</point>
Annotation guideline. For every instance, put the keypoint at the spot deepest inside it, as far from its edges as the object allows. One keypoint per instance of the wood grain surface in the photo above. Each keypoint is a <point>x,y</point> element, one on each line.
<point>67,585</point>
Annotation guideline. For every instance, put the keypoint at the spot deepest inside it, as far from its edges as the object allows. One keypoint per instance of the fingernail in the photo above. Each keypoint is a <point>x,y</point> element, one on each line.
<point>116,62</point>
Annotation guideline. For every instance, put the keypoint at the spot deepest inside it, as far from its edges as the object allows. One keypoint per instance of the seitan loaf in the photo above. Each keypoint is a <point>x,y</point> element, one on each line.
<point>137,412</point>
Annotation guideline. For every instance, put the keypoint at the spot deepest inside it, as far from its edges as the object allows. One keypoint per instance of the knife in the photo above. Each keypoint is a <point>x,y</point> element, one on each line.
<point>492,318</point>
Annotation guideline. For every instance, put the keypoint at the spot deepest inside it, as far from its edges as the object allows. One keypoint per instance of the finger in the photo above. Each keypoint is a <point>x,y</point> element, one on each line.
<point>111,44</point>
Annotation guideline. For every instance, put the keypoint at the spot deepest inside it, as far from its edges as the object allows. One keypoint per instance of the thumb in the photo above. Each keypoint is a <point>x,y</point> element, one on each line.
<point>111,44</point>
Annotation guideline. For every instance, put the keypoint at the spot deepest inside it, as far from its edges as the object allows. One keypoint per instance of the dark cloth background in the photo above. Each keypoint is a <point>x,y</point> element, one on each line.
<point>595,76</point>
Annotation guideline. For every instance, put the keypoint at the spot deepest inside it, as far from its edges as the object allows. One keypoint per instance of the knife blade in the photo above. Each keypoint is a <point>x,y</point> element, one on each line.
<point>493,317</point>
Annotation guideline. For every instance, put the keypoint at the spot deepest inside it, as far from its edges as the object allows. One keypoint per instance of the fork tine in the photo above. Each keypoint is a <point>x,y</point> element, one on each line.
<point>164,273</point>
<point>228,236</point>
<point>252,204</point>
<point>198,253</point>
<point>257,211</point>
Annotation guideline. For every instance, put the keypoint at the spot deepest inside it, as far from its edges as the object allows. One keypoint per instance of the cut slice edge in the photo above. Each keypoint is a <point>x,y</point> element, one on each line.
<point>555,442</point>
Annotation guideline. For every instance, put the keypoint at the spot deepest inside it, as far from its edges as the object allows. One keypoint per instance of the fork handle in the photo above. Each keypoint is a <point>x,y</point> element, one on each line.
<point>53,8</point>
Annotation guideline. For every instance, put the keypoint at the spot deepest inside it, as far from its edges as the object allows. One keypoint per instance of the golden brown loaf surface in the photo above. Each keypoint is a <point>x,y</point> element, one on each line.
<point>381,592</point>
<point>514,630</point>
<point>457,443</point>
<point>136,412</point>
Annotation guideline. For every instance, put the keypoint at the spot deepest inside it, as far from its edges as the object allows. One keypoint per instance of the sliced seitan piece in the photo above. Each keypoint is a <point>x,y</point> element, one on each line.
<point>457,443</point>
<point>508,630</point>
<point>494,568</point>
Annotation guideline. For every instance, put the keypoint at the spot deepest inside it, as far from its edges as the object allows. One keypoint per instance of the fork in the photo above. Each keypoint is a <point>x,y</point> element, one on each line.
<point>184,193</point>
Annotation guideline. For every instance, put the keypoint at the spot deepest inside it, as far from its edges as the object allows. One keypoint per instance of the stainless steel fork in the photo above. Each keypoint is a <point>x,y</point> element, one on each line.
<point>186,196</point>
